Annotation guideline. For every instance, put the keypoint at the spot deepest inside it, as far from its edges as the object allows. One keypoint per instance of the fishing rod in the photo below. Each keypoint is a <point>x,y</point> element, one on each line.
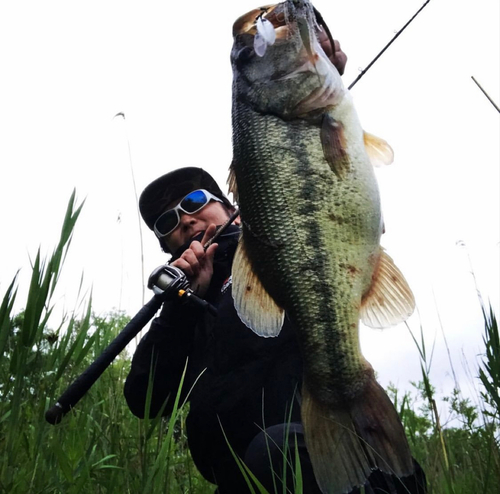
<point>167,283</point>
<point>364,71</point>
<point>486,94</point>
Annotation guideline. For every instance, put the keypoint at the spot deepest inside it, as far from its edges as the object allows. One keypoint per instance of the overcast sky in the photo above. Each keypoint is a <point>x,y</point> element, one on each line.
<point>69,67</point>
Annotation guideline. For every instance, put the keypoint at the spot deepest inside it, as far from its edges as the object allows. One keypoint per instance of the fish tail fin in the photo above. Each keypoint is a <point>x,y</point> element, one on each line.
<point>346,444</point>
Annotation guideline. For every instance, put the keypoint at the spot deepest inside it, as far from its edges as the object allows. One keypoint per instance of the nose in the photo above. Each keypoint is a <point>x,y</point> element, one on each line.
<point>186,220</point>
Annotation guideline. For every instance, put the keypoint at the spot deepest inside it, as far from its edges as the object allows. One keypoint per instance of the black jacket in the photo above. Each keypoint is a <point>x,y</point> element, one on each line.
<point>242,382</point>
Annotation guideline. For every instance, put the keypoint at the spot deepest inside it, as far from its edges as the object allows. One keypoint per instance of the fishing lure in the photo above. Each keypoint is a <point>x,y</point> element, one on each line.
<point>266,36</point>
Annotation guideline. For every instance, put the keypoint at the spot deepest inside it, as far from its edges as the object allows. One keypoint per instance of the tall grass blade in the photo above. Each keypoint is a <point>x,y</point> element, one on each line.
<point>5,315</point>
<point>489,374</point>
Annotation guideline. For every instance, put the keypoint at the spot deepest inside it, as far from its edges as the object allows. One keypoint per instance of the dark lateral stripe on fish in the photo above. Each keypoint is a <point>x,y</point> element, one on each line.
<point>311,192</point>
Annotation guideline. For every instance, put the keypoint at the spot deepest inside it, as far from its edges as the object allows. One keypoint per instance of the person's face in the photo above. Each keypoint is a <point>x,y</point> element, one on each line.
<point>191,225</point>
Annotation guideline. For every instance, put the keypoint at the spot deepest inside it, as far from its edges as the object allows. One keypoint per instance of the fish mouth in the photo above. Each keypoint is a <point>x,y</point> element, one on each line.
<point>247,23</point>
<point>295,37</point>
<point>277,15</point>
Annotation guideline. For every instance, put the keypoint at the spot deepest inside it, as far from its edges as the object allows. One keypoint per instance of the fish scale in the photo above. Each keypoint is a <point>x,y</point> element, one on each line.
<point>295,224</point>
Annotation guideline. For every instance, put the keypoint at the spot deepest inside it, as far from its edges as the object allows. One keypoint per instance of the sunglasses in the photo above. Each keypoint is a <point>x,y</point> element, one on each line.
<point>191,204</point>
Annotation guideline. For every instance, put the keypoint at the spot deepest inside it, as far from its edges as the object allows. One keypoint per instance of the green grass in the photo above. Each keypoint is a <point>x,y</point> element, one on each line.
<point>100,447</point>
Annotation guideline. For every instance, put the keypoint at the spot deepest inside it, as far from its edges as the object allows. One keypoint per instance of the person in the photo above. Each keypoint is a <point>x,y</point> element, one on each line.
<point>244,383</point>
<point>244,390</point>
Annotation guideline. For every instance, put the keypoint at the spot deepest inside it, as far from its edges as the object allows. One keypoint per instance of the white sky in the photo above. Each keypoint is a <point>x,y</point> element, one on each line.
<point>68,68</point>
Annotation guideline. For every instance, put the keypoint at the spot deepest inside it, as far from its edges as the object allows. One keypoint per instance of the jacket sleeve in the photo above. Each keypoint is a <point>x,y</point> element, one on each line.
<point>160,359</point>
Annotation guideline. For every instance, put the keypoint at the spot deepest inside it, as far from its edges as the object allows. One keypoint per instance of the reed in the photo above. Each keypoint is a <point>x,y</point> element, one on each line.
<point>100,447</point>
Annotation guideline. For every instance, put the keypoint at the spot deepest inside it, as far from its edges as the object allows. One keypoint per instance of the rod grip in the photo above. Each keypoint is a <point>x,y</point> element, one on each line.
<point>54,414</point>
<point>89,376</point>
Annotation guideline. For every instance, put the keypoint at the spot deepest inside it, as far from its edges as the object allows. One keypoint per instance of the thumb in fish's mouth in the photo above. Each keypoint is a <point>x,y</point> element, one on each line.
<point>330,46</point>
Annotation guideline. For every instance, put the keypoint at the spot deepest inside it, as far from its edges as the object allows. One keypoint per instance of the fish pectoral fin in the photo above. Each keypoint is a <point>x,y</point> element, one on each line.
<point>255,307</point>
<point>346,443</point>
<point>378,150</point>
<point>390,300</point>
<point>231,183</point>
<point>334,145</point>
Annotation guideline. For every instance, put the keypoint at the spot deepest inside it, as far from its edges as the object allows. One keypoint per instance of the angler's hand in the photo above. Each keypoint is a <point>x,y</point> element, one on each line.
<point>334,53</point>
<point>198,264</point>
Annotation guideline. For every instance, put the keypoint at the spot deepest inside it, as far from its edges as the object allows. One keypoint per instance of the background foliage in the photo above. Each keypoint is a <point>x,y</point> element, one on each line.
<point>100,447</point>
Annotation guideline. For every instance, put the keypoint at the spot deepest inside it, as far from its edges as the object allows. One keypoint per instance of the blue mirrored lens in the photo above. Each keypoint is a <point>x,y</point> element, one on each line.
<point>194,201</point>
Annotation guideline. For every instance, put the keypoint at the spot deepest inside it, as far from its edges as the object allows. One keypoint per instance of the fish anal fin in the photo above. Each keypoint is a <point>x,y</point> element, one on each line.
<point>333,142</point>
<point>254,305</point>
<point>231,182</point>
<point>347,443</point>
<point>378,150</point>
<point>389,300</point>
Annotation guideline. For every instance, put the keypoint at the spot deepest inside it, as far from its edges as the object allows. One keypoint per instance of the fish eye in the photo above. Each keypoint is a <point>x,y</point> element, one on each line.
<point>244,55</point>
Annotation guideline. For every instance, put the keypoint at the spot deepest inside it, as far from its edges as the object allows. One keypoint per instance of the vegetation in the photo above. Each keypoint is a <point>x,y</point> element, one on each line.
<point>100,447</point>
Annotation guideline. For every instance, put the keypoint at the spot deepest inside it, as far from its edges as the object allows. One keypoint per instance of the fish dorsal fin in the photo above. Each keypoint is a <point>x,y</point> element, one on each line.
<point>254,305</point>
<point>378,150</point>
<point>231,183</point>
<point>390,300</point>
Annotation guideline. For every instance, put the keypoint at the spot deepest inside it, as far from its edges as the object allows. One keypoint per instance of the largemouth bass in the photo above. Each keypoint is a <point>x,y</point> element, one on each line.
<point>310,245</point>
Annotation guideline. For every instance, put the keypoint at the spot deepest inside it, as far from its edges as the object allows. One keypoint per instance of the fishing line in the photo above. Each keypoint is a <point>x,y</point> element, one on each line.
<point>364,71</point>
<point>121,114</point>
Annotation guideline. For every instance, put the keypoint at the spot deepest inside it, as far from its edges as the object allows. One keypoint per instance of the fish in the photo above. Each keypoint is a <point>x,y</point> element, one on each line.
<point>302,175</point>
